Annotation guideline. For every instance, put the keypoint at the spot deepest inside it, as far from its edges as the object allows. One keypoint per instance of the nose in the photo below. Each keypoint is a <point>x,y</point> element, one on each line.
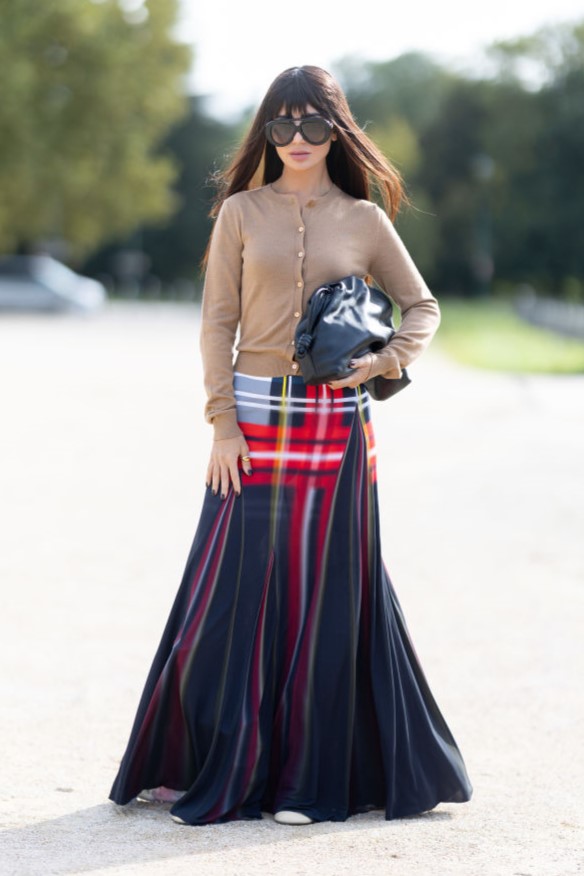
<point>298,138</point>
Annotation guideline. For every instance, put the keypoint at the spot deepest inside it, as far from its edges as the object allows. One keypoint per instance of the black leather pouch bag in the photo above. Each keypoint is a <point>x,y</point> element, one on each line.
<point>345,320</point>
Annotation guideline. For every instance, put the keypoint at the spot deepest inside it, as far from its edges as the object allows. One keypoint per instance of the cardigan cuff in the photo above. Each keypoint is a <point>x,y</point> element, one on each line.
<point>386,363</point>
<point>225,426</point>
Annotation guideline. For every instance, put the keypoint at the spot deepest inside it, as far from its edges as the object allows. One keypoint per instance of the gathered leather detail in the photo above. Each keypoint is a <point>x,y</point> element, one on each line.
<point>303,345</point>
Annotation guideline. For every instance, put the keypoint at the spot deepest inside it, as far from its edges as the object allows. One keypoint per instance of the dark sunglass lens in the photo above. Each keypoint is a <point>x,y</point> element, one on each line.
<point>282,133</point>
<point>316,131</point>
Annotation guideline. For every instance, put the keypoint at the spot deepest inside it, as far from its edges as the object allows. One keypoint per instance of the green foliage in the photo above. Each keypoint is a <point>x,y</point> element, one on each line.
<point>452,149</point>
<point>488,334</point>
<point>541,57</point>
<point>497,166</point>
<point>398,139</point>
<point>199,146</point>
<point>419,228</point>
<point>411,86</point>
<point>89,88</point>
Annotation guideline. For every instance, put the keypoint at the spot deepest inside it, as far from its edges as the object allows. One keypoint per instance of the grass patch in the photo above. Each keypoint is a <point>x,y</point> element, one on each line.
<point>489,334</point>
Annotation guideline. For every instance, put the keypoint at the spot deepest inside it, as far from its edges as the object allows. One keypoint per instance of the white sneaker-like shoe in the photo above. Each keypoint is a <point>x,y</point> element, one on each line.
<point>178,819</point>
<point>160,795</point>
<point>288,816</point>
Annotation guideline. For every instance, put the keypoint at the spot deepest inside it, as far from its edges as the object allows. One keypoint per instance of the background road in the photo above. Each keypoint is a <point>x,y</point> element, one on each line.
<point>104,451</point>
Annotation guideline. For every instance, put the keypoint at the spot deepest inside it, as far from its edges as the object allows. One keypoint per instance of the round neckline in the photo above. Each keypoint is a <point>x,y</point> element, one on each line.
<point>314,199</point>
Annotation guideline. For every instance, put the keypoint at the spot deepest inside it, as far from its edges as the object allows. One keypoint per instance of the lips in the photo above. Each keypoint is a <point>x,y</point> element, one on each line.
<point>299,154</point>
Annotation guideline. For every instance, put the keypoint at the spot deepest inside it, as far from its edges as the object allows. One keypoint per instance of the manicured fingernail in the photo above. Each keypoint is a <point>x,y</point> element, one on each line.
<point>237,494</point>
<point>214,492</point>
<point>207,485</point>
<point>222,495</point>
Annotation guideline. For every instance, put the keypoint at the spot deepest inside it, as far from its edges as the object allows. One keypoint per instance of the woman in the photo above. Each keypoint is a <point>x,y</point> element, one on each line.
<point>285,680</point>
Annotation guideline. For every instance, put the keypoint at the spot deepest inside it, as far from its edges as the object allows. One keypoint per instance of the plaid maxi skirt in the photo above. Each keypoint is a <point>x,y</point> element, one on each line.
<point>286,677</point>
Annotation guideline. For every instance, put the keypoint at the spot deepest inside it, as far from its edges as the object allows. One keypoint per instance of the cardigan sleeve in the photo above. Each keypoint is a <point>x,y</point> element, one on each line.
<point>393,269</point>
<point>220,314</point>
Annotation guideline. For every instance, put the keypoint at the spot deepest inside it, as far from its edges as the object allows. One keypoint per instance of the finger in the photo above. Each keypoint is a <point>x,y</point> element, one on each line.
<point>366,364</point>
<point>224,480</point>
<point>246,463</point>
<point>215,476</point>
<point>349,382</point>
<point>234,473</point>
<point>341,383</point>
<point>245,457</point>
<point>209,474</point>
<point>361,362</point>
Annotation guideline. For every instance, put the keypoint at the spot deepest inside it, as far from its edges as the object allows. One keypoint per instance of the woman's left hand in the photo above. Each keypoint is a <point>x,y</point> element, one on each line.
<point>362,369</point>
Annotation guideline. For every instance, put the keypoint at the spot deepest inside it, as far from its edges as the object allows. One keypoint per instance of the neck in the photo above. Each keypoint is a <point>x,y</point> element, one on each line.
<point>310,183</point>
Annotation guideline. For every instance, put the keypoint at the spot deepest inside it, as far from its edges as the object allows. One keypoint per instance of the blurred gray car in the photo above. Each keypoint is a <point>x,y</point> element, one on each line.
<point>40,282</point>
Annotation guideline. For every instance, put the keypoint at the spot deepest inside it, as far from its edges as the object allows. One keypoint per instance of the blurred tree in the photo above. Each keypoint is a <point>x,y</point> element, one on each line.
<point>411,86</point>
<point>537,141</point>
<point>396,101</point>
<point>511,137</point>
<point>493,165</point>
<point>450,171</point>
<point>89,89</point>
<point>539,58</point>
<point>198,144</point>
<point>397,138</point>
<point>561,162</point>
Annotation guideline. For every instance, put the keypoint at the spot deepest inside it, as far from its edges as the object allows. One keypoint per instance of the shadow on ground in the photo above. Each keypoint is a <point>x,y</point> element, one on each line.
<point>140,833</point>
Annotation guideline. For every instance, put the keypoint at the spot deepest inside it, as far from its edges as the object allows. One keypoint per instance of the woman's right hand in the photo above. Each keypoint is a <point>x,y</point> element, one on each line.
<point>223,466</point>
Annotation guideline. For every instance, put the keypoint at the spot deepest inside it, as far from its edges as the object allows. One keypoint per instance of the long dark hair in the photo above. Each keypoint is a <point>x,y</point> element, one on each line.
<point>354,162</point>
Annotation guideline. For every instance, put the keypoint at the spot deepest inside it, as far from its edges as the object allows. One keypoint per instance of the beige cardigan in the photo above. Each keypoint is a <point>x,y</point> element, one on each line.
<point>267,256</point>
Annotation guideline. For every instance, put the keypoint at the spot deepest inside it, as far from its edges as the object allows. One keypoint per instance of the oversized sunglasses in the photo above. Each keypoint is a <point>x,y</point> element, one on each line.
<point>314,129</point>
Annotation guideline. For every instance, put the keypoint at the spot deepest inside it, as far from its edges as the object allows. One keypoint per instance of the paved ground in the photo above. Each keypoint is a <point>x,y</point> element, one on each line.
<point>101,479</point>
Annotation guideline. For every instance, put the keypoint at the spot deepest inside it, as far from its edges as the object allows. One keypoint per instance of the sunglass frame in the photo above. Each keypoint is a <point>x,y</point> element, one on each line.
<point>298,125</point>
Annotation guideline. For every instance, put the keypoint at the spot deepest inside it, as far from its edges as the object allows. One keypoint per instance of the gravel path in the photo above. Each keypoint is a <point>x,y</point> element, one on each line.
<point>101,479</point>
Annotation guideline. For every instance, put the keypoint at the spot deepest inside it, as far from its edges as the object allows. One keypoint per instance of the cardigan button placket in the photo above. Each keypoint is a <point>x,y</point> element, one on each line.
<point>301,255</point>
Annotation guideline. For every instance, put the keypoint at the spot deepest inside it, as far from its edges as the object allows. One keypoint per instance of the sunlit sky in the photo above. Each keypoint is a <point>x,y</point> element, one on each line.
<point>242,46</point>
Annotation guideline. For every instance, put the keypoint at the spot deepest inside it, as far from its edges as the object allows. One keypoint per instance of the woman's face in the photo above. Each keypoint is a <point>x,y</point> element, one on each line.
<point>300,155</point>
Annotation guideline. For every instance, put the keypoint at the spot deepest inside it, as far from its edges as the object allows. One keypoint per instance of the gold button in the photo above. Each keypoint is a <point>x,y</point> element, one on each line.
<point>301,228</point>
<point>296,313</point>
<point>300,284</point>
<point>300,254</point>
<point>294,366</point>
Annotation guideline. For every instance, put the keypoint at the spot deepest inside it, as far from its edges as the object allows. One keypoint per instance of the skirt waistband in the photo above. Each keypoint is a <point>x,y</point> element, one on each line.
<point>293,385</point>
